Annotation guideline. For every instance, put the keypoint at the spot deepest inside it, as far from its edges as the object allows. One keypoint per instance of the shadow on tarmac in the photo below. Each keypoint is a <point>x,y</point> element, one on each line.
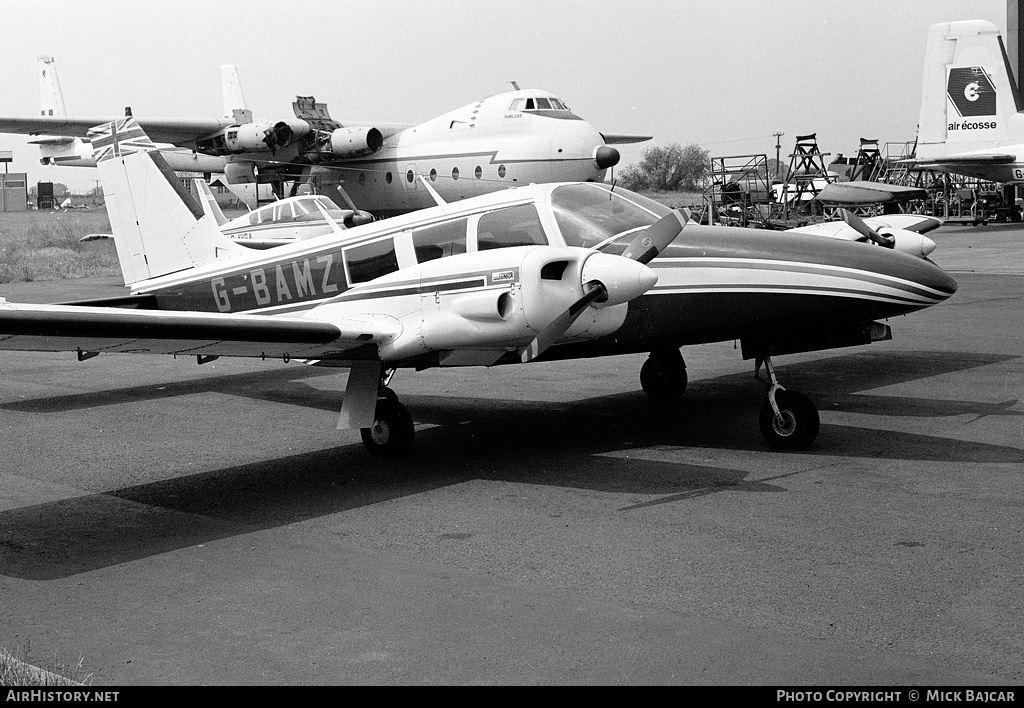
<point>474,438</point>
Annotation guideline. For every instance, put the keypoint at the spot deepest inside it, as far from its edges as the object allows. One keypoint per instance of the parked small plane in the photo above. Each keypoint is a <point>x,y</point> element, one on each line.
<point>970,122</point>
<point>280,222</point>
<point>547,271</point>
<point>510,139</point>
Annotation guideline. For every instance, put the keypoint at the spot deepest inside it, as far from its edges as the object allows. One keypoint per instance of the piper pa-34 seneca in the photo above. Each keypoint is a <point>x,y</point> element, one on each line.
<point>555,271</point>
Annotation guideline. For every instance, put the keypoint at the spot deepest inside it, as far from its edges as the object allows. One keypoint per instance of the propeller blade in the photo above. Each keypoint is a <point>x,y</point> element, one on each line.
<point>858,225</point>
<point>653,240</point>
<point>550,334</point>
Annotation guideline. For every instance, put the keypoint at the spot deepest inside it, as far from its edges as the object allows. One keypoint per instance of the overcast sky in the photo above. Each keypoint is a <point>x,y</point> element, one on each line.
<point>726,75</point>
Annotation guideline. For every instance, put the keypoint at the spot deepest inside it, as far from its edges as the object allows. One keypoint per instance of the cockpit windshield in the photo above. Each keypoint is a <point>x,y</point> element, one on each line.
<point>540,103</point>
<point>594,215</point>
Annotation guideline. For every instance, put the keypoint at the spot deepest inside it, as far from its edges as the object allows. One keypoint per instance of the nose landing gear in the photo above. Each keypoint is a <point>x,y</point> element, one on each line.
<point>788,420</point>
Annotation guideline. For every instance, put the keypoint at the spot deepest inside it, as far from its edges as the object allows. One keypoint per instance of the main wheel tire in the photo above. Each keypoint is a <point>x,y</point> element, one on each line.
<point>799,425</point>
<point>663,378</point>
<point>392,432</point>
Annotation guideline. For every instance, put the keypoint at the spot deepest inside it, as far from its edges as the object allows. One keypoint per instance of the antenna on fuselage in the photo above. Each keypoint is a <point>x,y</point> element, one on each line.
<point>514,85</point>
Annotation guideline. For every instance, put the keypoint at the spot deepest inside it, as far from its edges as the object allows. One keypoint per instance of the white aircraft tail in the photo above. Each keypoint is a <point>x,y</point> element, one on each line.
<point>969,100</point>
<point>51,100</point>
<point>158,228</point>
<point>209,202</point>
<point>231,90</point>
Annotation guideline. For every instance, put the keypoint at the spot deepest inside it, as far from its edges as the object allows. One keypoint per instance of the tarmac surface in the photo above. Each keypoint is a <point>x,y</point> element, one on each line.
<point>181,524</point>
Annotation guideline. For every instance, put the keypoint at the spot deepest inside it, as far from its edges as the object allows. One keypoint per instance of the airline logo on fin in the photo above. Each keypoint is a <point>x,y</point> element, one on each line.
<point>119,138</point>
<point>971,91</point>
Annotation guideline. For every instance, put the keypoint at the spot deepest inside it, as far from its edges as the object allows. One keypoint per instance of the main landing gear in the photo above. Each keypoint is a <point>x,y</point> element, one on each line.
<point>788,421</point>
<point>392,432</point>
<point>663,375</point>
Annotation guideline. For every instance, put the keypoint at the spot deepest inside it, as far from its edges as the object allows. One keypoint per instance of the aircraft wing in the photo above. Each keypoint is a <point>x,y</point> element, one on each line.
<point>624,139</point>
<point>990,158</point>
<point>177,131</point>
<point>31,327</point>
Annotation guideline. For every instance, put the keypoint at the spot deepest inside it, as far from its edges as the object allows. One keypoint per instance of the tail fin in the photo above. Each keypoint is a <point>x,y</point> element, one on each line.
<point>209,203</point>
<point>969,100</point>
<point>231,90</point>
<point>158,228</point>
<point>51,100</point>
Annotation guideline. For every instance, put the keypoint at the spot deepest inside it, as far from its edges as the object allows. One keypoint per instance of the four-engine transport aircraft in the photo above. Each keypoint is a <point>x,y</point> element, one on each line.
<point>971,122</point>
<point>540,272</point>
<point>513,138</point>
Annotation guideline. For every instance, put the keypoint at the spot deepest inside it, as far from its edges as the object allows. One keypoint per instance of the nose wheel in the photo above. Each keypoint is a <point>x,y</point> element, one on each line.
<point>392,432</point>
<point>788,420</point>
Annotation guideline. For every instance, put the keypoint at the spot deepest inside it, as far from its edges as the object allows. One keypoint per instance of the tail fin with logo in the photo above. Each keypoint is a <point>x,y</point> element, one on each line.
<point>158,227</point>
<point>970,121</point>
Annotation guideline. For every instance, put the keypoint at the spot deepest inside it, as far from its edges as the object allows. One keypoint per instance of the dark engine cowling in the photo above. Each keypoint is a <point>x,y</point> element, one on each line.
<point>264,135</point>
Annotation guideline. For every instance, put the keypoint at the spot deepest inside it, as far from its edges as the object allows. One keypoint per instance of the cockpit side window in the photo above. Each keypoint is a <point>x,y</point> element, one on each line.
<point>517,104</point>
<point>529,104</point>
<point>515,226</point>
<point>588,215</point>
<point>439,240</point>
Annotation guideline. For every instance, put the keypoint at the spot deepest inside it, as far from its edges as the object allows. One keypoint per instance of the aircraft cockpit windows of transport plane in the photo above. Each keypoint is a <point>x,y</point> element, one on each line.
<point>439,240</point>
<point>537,104</point>
<point>514,226</point>
<point>590,215</point>
<point>368,261</point>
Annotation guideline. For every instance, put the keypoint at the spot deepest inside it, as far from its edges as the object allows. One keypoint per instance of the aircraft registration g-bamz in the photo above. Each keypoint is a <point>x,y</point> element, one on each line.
<point>971,122</point>
<point>542,272</point>
<point>509,139</point>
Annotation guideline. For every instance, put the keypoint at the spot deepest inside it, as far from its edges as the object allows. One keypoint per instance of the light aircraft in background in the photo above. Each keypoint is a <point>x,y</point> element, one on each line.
<point>282,221</point>
<point>970,122</point>
<point>541,272</point>
<point>510,139</point>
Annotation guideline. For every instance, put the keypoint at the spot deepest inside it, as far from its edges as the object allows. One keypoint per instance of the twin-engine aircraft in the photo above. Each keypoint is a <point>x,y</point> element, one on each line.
<point>541,272</point>
<point>510,139</point>
<point>971,122</point>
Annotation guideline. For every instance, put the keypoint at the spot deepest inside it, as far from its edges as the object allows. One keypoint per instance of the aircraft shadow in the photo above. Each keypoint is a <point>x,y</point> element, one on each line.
<point>477,438</point>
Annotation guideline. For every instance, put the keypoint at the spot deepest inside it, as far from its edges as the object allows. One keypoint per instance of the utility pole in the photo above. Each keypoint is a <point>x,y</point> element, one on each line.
<point>778,147</point>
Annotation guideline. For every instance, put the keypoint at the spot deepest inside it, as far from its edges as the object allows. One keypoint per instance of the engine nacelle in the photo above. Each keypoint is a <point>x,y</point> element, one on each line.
<point>355,142</point>
<point>264,135</point>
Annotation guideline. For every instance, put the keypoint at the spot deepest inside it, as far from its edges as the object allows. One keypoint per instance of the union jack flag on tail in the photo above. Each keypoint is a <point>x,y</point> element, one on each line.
<point>119,138</point>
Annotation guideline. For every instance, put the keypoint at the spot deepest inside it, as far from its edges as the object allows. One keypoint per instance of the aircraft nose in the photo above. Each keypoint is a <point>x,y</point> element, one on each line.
<point>605,157</point>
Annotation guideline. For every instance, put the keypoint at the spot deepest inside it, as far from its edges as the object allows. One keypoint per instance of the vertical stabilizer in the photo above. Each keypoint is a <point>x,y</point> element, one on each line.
<point>231,90</point>
<point>51,100</point>
<point>158,228</point>
<point>969,101</point>
<point>209,202</point>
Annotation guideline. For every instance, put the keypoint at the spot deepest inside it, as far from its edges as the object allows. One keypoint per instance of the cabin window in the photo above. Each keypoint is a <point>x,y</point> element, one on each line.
<point>455,173</point>
<point>362,178</point>
<point>501,170</point>
<point>388,178</point>
<point>409,176</point>
<point>439,240</point>
<point>371,260</point>
<point>515,226</point>
<point>479,172</point>
<point>433,175</point>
